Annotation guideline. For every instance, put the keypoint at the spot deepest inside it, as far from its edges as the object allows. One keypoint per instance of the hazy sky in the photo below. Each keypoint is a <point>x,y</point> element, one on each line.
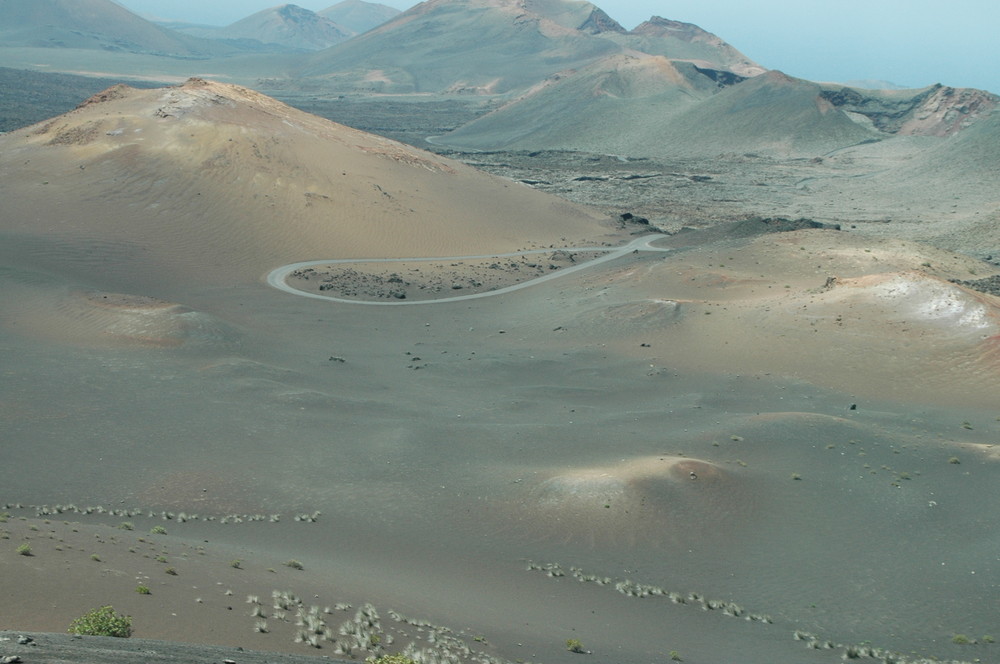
<point>909,42</point>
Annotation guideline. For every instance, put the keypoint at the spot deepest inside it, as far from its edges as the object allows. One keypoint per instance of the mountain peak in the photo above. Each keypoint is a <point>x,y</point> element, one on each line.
<point>358,15</point>
<point>599,22</point>
<point>289,25</point>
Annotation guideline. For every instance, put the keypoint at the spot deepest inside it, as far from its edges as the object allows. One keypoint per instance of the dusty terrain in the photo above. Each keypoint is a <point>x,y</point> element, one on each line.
<point>757,446</point>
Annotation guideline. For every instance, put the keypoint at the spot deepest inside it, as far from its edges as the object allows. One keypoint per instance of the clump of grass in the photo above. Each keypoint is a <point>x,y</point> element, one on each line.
<point>158,530</point>
<point>574,645</point>
<point>24,550</point>
<point>171,571</point>
<point>236,564</point>
<point>954,460</point>
<point>102,622</point>
<point>96,558</point>
<point>961,639</point>
<point>294,564</point>
<point>126,525</point>
<point>675,656</point>
<point>143,590</point>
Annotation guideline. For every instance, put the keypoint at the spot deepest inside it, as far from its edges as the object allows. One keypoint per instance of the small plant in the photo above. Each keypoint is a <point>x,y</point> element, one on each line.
<point>796,476</point>
<point>96,558</point>
<point>574,645</point>
<point>126,525</point>
<point>158,530</point>
<point>988,639</point>
<point>675,656</point>
<point>236,564</point>
<point>102,622</point>
<point>954,460</point>
<point>961,639</point>
<point>294,564</point>
<point>171,571</point>
<point>24,550</point>
<point>390,659</point>
<point>161,559</point>
<point>143,590</point>
<point>4,517</point>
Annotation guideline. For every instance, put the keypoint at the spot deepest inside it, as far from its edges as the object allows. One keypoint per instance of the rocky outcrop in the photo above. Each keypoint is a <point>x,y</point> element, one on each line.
<point>598,22</point>
<point>935,111</point>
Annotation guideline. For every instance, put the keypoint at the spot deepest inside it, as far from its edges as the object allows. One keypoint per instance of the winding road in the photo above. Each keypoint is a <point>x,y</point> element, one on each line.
<point>278,277</point>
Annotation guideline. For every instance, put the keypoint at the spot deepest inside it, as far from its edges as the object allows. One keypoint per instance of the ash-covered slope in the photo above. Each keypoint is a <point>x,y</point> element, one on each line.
<point>650,106</point>
<point>602,107</point>
<point>209,181</point>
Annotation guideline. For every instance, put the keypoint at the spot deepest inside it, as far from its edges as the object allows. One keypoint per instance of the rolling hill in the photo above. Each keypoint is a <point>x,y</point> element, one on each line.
<point>288,25</point>
<point>359,16</point>
<point>94,24</point>
<point>226,181</point>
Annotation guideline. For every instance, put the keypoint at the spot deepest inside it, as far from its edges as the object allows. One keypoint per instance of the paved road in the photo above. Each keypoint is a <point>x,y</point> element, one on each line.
<point>277,278</point>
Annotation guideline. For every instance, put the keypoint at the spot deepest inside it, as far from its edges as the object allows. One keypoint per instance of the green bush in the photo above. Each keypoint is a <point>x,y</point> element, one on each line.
<point>143,590</point>
<point>294,564</point>
<point>390,659</point>
<point>158,530</point>
<point>102,622</point>
<point>574,645</point>
<point>24,549</point>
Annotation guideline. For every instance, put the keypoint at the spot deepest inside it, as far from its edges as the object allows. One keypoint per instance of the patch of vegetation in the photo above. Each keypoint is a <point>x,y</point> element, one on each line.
<point>102,622</point>
<point>236,564</point>
<point>294,564</point>
<point>158,530</point>
<point>24,550</point>
<point>126,525</point>
<point>961,639</point>
<point>390,659</point>
<point>574,645</point>
<point>143,590</point>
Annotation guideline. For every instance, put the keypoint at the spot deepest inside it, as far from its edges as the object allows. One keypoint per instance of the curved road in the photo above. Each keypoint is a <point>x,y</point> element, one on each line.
<point>277,278</point>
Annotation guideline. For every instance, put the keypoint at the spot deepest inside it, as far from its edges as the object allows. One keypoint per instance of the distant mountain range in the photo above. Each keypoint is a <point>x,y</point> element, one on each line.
<point>501,46</point>
<point>107,26</point>
<point>559,74</point>
<point>293,27</point>
<point>94,24</point>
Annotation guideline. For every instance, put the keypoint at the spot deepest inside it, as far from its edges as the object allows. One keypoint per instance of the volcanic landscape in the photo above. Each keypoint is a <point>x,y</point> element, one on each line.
<point>634,351</point>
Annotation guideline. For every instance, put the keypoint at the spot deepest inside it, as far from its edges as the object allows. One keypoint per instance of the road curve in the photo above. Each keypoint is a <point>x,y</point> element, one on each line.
<point>277,277</point>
